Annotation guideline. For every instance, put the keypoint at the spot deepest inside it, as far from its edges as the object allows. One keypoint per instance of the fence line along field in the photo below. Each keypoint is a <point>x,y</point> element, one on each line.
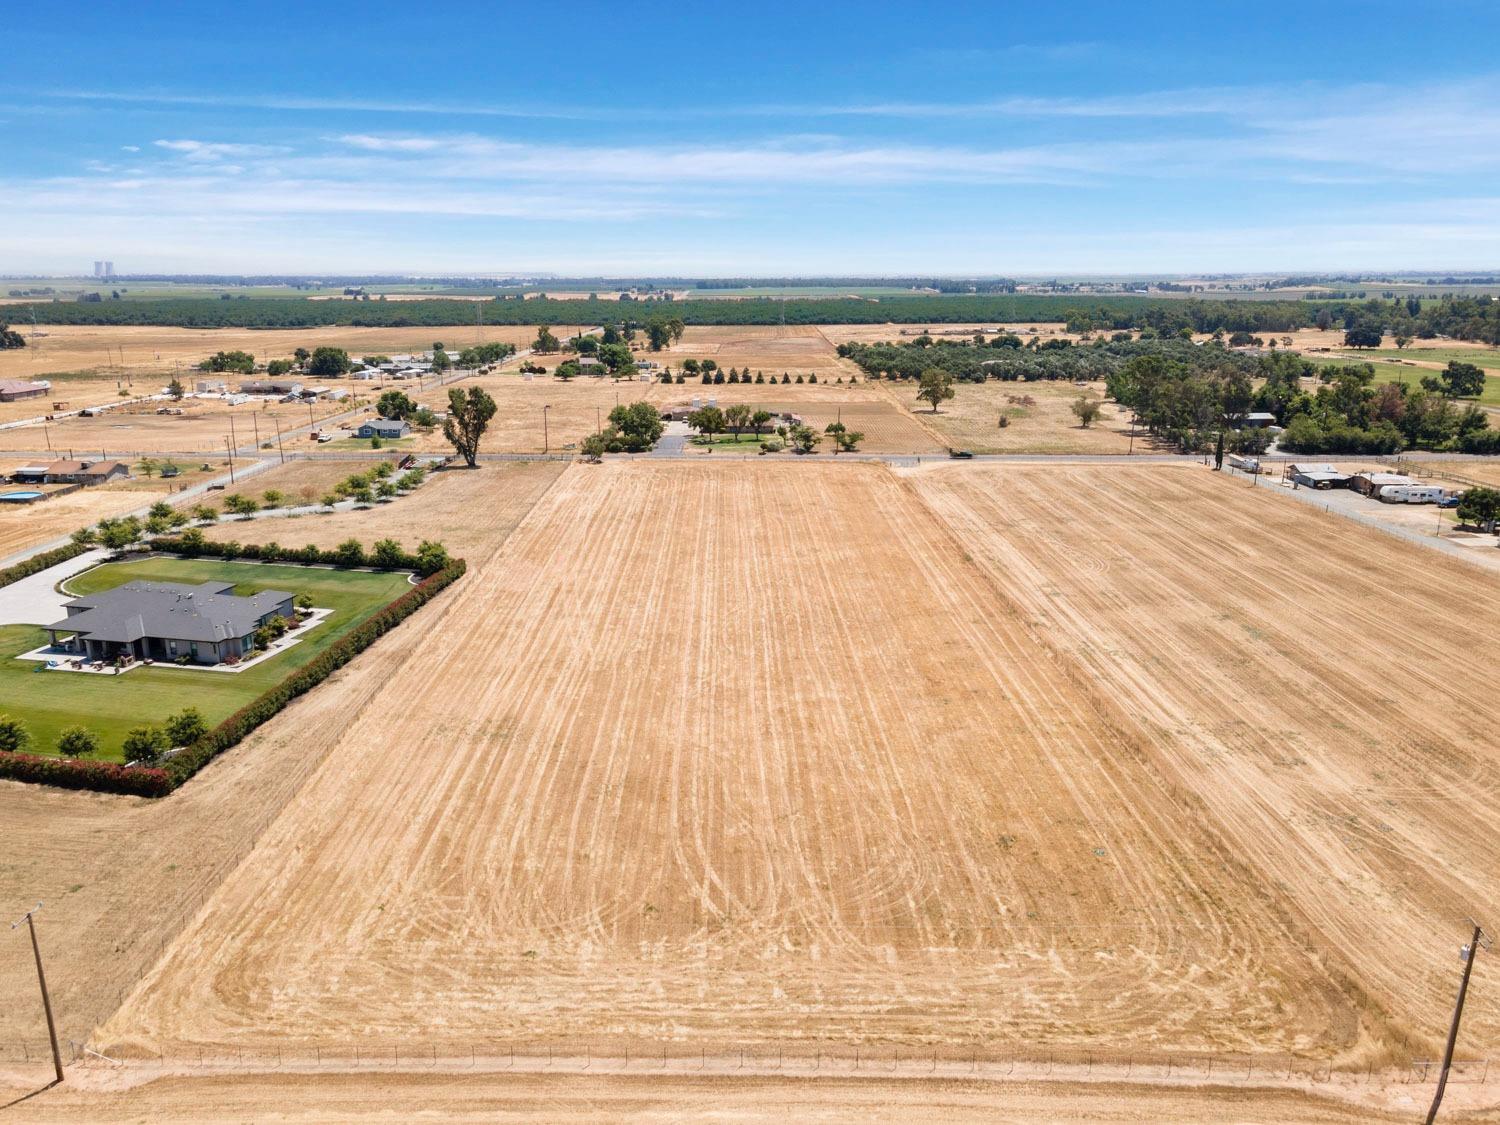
<point>459,508</point>
<point>1325,691</point>
<point>652,774</point>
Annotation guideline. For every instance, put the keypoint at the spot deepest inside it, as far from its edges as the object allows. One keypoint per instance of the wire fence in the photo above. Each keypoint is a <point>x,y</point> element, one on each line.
<point>996,1062</point>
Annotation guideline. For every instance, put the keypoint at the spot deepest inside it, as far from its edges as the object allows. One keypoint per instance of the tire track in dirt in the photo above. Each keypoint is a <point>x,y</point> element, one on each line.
<point>728,753</point>
<point>1316,686</point>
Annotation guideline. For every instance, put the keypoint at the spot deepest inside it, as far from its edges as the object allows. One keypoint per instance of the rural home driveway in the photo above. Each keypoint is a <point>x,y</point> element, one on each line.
<point>35,600</point>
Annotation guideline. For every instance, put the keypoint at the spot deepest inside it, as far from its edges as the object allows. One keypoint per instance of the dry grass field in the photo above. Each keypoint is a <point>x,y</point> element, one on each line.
<point>1344,753</point>
<point>26,525</point>
<point>119,350</point>
<point>1010,757</point>
<point>971,419</point>
<point>579,405</point>
<point>203,427</point>
<point>697,761</point>
<point>302,482</point>
<point>457,507</point>
<point>1484,472</point>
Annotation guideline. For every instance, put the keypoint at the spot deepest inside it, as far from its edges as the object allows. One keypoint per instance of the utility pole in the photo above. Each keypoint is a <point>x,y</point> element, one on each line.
<point>1468,953</point>
<point>228,448</point>
<point>36,950</point>
<point>546,441</point>
<point>281,449</point>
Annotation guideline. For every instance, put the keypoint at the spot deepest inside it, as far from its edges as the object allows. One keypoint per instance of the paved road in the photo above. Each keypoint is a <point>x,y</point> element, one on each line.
<point>34,601</point>
<point>673,440</point>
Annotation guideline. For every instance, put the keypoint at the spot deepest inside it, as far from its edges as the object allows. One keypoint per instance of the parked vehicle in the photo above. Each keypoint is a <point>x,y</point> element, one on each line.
<point>1411,494</point>
<point>962,454</point>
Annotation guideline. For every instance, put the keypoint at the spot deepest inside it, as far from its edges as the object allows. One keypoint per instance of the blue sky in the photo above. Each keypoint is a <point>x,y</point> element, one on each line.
<point>752,139</point>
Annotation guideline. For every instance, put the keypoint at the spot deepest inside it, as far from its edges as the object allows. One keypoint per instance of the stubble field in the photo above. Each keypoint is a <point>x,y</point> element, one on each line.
<point>1333,713</point>
<point>698,762</point>
<point>1011,758</point>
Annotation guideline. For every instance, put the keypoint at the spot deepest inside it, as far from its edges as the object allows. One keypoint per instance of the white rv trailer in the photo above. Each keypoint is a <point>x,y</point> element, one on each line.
<point>1411,494</point>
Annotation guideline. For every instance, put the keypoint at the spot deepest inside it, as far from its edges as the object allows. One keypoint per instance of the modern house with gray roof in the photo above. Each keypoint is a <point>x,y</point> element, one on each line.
<point>167,621</point>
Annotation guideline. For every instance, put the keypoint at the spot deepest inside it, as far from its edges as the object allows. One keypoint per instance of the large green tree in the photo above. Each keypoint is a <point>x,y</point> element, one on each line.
<point>638,425</point>
<point>329,363</point>
<point>469,414</point>
<point>395,405</point>
<point>935,386</point>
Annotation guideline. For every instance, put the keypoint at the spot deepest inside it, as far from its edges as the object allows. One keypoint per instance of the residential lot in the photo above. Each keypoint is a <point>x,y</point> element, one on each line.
<point>50,701</point>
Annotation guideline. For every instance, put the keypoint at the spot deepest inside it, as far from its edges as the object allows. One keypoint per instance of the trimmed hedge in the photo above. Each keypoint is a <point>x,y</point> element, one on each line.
<point>110,777</point>
<point>202,547</point>
<point>71,773</point>
<point>38,563</point>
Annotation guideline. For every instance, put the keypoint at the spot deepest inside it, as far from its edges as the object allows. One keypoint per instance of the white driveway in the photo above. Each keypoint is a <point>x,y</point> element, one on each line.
<point>33,601</point>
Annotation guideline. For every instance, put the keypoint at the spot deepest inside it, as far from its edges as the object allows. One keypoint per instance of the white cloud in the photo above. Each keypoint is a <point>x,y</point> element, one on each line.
<point>216,150</point>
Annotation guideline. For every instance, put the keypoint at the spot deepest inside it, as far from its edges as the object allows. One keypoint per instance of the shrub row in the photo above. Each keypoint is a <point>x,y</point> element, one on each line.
<point>38,563</point>
<point>73,773</point>
<point>428,560</point>
<point>110,777</point>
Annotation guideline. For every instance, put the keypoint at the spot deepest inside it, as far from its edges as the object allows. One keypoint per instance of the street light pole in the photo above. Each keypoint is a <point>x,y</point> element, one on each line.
<point>41,978</point>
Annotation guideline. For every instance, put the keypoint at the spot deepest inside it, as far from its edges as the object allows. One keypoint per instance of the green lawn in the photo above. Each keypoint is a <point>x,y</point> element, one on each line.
<point>1412,377</point>
<point>110,705</point>
<point>1483,357</point>
<point>364,443</point>
<point>747,440</point>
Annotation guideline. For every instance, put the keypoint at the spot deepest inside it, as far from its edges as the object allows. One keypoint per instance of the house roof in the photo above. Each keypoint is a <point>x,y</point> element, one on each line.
<point>21,386</point>
<point>204,612</point>
<point>91,468</point>
<point>386,425</point>
<point>1308,467</point>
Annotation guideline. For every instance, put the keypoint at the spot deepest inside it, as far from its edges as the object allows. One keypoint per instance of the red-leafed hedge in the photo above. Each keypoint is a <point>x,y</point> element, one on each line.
<point>110,777</point>
<point>82,773</point>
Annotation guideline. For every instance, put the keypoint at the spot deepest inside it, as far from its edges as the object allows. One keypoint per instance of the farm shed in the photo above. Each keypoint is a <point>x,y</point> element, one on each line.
<point>13,389</point>
<point>271,387</point>
<point>1370,484</point>
<point>1317,476</point>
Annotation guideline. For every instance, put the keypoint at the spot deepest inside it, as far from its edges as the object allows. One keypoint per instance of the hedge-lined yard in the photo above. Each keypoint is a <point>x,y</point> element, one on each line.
<point>158,782</point>
<point>111,705</point>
